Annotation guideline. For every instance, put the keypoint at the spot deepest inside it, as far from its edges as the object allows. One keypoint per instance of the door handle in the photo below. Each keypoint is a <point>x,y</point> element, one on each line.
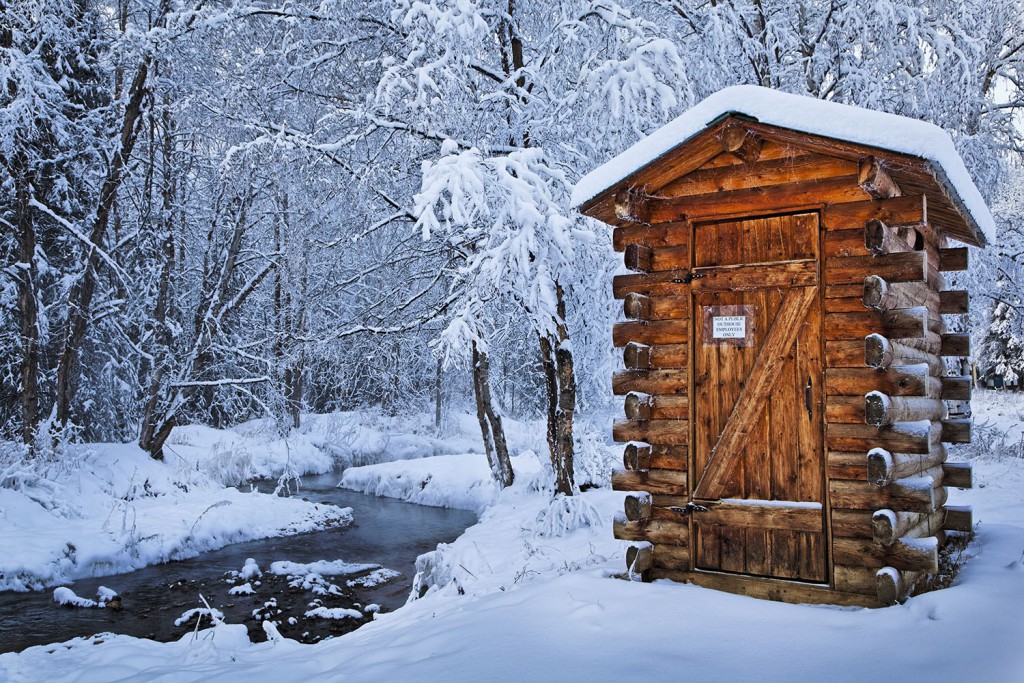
<point>807,398</point>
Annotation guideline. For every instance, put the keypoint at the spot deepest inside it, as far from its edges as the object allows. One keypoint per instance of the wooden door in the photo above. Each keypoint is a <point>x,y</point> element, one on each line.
<point>758,419</point>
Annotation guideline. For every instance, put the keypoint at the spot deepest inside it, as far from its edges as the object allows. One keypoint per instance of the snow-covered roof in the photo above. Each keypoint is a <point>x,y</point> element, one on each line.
<point>804,114</point>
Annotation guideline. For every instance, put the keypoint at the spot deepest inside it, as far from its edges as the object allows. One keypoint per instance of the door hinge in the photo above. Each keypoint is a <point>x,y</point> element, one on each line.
<point>690,508</point>
<point>687,279</point>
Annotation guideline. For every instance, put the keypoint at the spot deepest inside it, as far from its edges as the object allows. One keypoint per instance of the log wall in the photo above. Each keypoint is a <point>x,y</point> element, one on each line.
<point>885,345</point>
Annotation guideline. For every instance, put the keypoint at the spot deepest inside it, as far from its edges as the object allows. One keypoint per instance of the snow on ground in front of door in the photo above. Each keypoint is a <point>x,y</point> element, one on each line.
<point>525,595</point>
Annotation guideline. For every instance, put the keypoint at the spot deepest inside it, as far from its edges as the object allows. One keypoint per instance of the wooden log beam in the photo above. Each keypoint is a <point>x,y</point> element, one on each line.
<point>637,506</point>
<point>636,456</point>
<point>639,257</point>
<point>666,432</point>
<point>958,475</point>
<point>953,259</point>
<point>777,515</point>
<point>844,409</point>
<point>651,332</point>
<point>912,495</point>
<point>885,467</point>
<point>844,353</point>
<point>669,458</point>
<point>957,431</point>
<point>912,554</point>
<point>665,482</point>
<point>882,353</point>
<point>888,526</point>
<point>741,142</point>
<point>911,266</point>
<point>672,556</point>
<point>956,388</point>
<point>899,323</point>
<point>655,531</point>
<point>881,409</point>
<point>954,302</point>
<point>674,234</point>
<point>638,406</point>
<point>754,200</point>
<point>905,210</point>
<point>638,306</point>
<point>639,559</point>
<point>958,345</point>
<point>667,382</point>
<point>875,180</point>
<point>657,357</point>
<point>959,518</point>
<point>879,238</point>
<point>902,381</point>
<point>631,205</point>
<point>893,586</point>
<point>765,173</point>
<point>880,295</point>
<point>636,356</point>
<point>846,465</point>
<point>741,278</point>
<point>902,437</point>
<point>647,259</point>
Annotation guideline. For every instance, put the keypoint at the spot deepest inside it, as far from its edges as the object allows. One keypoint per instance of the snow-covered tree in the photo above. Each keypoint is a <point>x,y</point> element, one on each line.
<point>520,98</point>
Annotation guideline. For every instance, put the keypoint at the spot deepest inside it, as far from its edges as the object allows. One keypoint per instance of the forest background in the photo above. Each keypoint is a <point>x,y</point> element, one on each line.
<point>214,211</point>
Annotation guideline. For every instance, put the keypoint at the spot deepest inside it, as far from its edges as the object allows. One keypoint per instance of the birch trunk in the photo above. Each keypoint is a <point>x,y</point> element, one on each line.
<point>490,423</point>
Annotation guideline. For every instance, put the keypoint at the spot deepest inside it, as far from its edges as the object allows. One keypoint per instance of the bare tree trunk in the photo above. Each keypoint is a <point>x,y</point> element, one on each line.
<point>437,396</point>
<point>150,438</point>
<point>28,311</point>
<point>490,423</point>
<point>80,298</point>
<point>209,317</point>
<point>560,394</point>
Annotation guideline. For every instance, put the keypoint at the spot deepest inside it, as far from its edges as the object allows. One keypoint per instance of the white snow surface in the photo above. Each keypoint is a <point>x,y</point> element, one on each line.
<point>321,567</point>
<point>806,114</point>
<point>507,603</point>
<point>461,481</point>
<point>101,509</point>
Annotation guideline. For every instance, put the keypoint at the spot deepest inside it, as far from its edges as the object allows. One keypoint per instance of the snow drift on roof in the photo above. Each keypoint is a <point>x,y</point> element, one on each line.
<point>808,115</point>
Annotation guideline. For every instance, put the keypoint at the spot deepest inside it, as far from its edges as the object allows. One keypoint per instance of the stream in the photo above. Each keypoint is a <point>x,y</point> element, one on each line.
<point>385,531</point>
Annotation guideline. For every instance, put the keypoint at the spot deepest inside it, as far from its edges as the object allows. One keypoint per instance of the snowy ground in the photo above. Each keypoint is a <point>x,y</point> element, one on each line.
<point>526,595</point>
<point>108,508</point>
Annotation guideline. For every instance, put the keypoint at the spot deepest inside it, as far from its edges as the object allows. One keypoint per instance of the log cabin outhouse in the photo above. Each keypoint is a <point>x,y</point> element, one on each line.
<point>790,382</point>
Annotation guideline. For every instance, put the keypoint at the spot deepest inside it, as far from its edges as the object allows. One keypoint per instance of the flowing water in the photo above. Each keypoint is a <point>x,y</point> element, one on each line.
<point>385,532</point>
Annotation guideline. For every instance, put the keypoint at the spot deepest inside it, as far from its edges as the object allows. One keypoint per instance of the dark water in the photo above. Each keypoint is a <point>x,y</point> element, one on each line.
<point>385,532</point>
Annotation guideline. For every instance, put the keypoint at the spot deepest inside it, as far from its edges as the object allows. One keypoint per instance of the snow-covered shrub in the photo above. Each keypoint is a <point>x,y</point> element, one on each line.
<point>987,440</point>
<point>565,514</point>
<point>594,458</point>
<point>229,464</point>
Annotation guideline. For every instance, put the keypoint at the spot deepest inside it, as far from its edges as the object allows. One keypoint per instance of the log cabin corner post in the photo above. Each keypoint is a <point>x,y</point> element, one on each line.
<point>785,383</point>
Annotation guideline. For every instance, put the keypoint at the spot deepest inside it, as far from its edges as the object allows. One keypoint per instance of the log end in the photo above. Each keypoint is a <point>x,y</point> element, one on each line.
<point>639,559</point>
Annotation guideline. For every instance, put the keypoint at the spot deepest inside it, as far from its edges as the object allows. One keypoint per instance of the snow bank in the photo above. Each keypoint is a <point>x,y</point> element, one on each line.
<point>516,606</point>
<point>97,535</point>
<point>809,115</point>
<point>463,481</point>
<point>510,601</point>
<point>110,508</point>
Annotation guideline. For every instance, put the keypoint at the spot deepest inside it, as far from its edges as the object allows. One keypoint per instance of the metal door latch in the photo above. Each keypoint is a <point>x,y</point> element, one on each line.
<point>690,508</point>
<point>687,279</point>
<point>807,399</point>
